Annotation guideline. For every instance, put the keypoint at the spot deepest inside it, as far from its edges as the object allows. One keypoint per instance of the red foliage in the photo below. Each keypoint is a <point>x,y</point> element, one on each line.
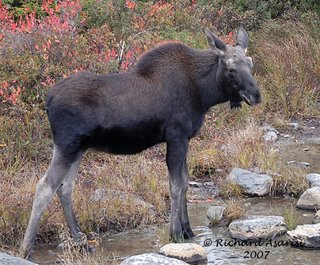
<point>229,39</point>
<point>54,43</point>
<point>59,18</point>
<point>9,93</point>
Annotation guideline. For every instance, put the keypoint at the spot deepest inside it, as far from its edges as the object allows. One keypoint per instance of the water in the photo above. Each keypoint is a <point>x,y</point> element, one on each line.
<point>151,239</point>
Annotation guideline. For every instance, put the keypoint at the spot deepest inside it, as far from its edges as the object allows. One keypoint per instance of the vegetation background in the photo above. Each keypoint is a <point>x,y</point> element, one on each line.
<point>42,42</point>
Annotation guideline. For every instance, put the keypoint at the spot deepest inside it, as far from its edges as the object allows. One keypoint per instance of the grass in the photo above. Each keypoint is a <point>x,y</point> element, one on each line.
<point>291,81</point>
<point>235,209</point>
<point>291,218</point>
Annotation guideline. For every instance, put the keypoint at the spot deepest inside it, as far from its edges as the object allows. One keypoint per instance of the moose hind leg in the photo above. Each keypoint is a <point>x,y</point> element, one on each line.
<point>65,196</point>
<point>46,188</point>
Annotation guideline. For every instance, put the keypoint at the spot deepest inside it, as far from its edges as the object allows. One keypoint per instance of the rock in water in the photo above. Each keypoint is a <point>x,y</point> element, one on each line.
<point>188,252</point>
<point>313,179</point>
<point>305,236</point>
<point>252,183</point>
<point>257,227</point>
<point>310,199</point>
<point>6,259</point>
<point>152,258</point>
<point>215,214</point>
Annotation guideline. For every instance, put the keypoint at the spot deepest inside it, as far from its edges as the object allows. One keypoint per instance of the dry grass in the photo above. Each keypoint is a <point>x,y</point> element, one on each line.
<point>291,180</point>
<point>235,209</point>
<point>245,148</point>
<point>230,190</point>
<point>291,218</point>
<point>288,59</point>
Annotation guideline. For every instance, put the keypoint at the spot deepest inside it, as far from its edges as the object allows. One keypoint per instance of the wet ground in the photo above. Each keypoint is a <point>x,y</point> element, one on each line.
<point>219,245</point>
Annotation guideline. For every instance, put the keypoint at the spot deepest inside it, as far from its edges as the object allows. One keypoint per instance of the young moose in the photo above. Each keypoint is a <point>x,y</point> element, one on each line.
<point>162,99</point>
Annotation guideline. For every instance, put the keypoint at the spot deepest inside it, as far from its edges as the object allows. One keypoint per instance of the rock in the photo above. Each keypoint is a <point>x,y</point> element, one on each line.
<point>270,129</point>
<point>257,227</point>
<point>188,252</point>
<point>195,184</point>
<point>304,164</point>
<point>152,258</point>
<point>270,136</point>
<point>316,219</point>
<point>215,214</point>
<point>6,259</point>
<point>313,179</point>
<point>294,125</point>
<point>310,199</point>
<point>209,184</point>
<point>252,183</point>
<point>307,236</point>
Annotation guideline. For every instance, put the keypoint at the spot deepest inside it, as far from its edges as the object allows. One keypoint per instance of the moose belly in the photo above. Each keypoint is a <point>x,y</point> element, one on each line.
<point>125,140</point>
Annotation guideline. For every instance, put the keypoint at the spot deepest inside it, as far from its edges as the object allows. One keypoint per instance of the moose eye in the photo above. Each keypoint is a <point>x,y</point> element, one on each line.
<point>232,73</point>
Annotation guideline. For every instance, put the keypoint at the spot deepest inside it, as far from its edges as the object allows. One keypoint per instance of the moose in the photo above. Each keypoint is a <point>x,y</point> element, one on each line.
<point>163,98</point>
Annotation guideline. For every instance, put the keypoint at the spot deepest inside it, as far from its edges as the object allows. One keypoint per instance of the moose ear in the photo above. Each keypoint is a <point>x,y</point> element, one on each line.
<point>215,42</point>
<point>242,39</point>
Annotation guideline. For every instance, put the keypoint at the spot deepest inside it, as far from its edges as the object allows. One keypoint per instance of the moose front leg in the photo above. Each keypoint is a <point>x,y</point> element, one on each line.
<point>186,228</point>
<point>179,220</point>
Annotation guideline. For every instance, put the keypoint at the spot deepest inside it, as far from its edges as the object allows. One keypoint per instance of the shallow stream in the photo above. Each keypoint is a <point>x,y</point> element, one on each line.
<point>219,244</point>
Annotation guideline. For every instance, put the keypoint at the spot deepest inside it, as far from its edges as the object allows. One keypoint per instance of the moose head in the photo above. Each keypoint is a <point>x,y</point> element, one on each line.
<point>234,73</point>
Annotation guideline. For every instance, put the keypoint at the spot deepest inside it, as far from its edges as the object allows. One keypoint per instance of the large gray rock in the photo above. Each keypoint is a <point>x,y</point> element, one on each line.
<point>215,214</point>
<point>310,199</point>
<point>188,252</point>
<point>152,258</point>
<point>6,259</point>
<point>257,227</point>
<point>252,183</point>
<point>313,179</point>
<point>307,236</point>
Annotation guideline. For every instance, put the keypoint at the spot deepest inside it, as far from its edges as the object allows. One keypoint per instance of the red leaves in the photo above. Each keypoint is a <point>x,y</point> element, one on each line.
<point>10,92</point>
<point>130,4</point>
<point>229,38</point>
<point>54,20</point>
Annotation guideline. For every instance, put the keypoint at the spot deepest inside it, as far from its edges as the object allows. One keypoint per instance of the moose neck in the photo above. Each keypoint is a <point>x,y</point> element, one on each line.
<point>209,83</point>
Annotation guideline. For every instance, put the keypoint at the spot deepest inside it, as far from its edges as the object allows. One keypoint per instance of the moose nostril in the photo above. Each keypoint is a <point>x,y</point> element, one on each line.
<point>258,97</point>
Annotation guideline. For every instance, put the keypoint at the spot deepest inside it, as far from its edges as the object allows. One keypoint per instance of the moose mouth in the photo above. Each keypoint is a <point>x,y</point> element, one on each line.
<point>246,99</point>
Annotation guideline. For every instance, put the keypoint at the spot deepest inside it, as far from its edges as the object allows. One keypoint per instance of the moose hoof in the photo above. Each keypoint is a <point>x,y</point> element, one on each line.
<point>25,253</point>
<point>177,237</point>
<point>188,234</point>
